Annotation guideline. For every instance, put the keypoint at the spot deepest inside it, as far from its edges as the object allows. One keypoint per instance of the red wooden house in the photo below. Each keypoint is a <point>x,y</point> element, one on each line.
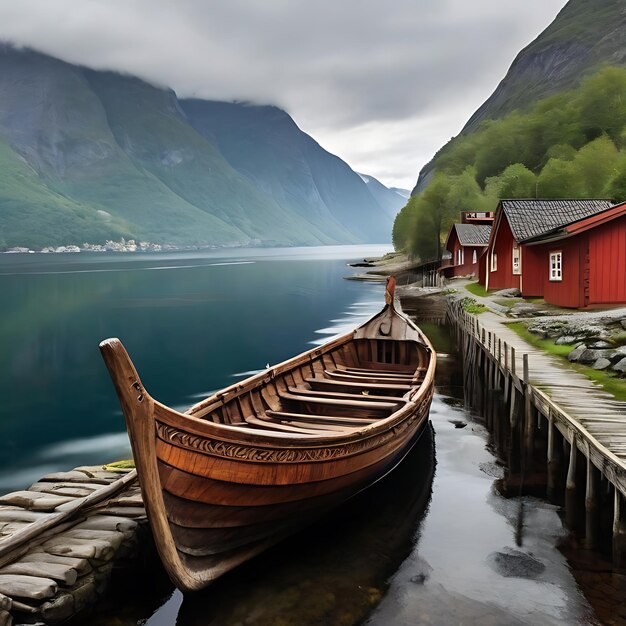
<point>507,262</point>
<point>466,243</point>
<point>579,264</point>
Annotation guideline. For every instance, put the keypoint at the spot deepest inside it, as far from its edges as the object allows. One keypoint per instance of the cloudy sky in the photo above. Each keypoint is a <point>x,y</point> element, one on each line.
<point>381,83</point>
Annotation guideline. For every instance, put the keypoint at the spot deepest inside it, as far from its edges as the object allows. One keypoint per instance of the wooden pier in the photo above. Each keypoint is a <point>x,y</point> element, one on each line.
<point>60,539</point>
<point>582,427</point>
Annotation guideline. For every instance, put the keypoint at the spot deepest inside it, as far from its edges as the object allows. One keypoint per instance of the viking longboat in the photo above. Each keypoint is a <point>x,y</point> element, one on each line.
<point>262,458</point>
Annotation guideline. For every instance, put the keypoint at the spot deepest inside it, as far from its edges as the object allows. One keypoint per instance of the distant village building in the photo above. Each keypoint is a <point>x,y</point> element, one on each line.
<point>572,253</point>
<point>465,244</point>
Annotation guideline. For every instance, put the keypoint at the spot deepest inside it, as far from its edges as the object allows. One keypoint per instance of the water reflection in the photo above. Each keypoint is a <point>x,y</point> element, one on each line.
<point>189,326</point>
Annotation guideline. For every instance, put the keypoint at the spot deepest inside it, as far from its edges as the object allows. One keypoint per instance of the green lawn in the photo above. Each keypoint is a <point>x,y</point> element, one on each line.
<point>608,380</point>
<point>477,290</point>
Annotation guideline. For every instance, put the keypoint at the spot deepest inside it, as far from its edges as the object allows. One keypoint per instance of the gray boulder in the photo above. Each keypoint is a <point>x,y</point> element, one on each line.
<point>522,309</point>
<point>601,364</point>
<point>601,344</point>
<point>623,323</point>
<point>591,356</point>
<point>508,293</point>
<point>575,354</point>
<point>565,339</point>
<point>620,366</point>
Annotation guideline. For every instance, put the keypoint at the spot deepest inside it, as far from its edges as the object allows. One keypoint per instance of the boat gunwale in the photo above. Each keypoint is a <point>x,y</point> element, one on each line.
<point>271,439</point>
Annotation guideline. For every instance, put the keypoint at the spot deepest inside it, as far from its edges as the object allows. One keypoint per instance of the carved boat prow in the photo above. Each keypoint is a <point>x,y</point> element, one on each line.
<point>260,459</point>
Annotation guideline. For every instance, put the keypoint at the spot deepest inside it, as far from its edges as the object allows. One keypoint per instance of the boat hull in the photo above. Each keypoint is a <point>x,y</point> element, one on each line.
<point>263,458</point>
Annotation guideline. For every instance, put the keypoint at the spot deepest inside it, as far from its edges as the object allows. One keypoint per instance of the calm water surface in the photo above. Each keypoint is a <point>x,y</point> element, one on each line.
<point>434,543</point>
<point>192,322</point>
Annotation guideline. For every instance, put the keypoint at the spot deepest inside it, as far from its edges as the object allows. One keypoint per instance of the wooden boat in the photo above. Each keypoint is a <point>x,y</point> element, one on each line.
<point>260,459</point>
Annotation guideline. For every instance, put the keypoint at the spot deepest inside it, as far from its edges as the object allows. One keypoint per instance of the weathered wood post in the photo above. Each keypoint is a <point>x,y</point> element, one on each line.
<point>554,454</point>
<point>507,378</point>
<point>592,511</point>
<point>619,531</point>
<point>570,486</point>
<point>512,360</point>
<point>529,422</point>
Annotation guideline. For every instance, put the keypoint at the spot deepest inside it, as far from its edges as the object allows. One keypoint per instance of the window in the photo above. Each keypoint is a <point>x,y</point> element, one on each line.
<point>494,262</point>
<point>517,260</point>
<point>461,256</point>
<point>474,257</point>
<point>556,266</point>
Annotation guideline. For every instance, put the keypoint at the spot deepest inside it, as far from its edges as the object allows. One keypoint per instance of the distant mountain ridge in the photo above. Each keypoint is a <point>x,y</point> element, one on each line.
<point>90,155</point>
<point>584,35</point>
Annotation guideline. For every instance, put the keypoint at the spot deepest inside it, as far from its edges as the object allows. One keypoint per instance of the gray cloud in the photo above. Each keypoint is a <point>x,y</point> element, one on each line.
<point>382,84</point>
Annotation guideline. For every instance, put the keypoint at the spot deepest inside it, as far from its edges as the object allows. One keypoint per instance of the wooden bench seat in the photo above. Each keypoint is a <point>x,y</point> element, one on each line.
<point>355,371</point>
<point>373,398</point>
<point>271,425</point>
<point>356,387</point>
<point>339,402</point>
<point>375,379</point>
<point>391,371</point>
<point>322,419</point>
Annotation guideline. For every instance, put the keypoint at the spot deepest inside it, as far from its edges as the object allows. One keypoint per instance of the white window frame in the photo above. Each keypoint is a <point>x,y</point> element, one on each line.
<point>494,261</point>
<point>516,256</point>
<point>555,266</point>
<point>474,257</point>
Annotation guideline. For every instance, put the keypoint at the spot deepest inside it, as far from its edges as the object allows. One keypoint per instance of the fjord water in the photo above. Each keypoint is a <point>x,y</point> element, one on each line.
<point>192,322</point>
<point>433,543</point>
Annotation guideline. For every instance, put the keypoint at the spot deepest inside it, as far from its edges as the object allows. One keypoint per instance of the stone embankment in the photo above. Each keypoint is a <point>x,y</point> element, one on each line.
<point>60,540</point>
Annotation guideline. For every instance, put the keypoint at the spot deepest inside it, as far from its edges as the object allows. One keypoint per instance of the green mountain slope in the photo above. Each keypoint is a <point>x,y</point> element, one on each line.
<point>264,144</point>
<point>585,35</point>
<point>88,155</point>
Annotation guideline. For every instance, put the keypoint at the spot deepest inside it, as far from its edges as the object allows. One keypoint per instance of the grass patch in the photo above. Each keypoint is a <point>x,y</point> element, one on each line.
<point>118,466</point>
<point>509,303</point>
<point>545,344</point>
<point>609,381</point>
<point>477,290</point>
<point>471,306</point>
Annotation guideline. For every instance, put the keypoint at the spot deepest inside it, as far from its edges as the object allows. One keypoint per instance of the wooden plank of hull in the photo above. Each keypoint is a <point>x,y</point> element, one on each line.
<point>258,485</point>
<point>195,542</point>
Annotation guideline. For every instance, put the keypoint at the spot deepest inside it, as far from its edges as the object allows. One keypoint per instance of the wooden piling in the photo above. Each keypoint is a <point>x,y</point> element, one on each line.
<point>592,512</point>
<point>619,531</point>
<point>570,486</point>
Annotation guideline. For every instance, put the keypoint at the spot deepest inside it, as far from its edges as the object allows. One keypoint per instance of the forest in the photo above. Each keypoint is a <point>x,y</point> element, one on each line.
<point>570,145</point>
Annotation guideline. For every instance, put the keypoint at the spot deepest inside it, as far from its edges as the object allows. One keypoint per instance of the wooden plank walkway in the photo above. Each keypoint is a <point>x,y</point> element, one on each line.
<point>580,418</point>
<point>59,540</point>
<point>599,412</point>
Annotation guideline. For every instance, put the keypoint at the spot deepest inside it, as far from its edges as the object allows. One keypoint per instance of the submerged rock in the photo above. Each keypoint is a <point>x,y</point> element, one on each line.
<point>516,563</point>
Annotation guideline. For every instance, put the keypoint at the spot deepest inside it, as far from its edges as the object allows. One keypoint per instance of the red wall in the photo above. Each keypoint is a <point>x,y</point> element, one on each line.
<point>534,271</point>
<point>451,268</point>
<point>568,292</point>
<point>607,262</point>
<point>503,277</point>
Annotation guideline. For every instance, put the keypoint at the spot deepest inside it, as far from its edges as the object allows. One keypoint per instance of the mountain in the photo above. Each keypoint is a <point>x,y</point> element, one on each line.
<point>265,145</point>
<point>89,155</point>
<point>391,200</point>
<point>585,35</point>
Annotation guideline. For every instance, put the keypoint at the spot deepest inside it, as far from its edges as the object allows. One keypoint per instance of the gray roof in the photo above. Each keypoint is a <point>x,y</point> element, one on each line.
<point>531,218</point>
<point>473,234</point>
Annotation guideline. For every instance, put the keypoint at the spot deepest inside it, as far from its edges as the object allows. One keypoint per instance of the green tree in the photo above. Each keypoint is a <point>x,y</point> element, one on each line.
<point>602,103</point>
<point>559,179</point>
<point>517,181</point>
<point>595,164</point>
